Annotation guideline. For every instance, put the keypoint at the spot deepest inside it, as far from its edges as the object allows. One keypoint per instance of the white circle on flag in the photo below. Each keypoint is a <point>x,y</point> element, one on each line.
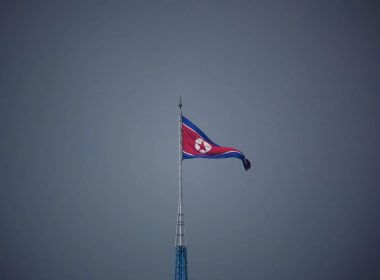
<point>202,146</point>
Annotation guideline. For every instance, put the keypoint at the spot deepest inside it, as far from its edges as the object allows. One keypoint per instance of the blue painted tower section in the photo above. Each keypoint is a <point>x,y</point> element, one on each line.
<point>180,262</point>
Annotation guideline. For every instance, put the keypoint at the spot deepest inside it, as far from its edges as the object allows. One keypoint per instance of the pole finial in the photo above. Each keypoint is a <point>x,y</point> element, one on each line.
<point>180,102</point>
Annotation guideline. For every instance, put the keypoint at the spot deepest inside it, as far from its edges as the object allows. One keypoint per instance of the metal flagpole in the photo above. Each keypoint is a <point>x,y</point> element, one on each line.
<point>180,241</point>
<point>180,234</point>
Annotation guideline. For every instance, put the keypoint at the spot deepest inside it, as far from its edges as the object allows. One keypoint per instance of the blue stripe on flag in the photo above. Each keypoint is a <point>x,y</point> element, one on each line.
<point>228,155</point>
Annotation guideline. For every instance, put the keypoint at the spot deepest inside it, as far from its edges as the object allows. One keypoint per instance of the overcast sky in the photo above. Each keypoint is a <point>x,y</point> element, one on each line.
<point>89,140</point>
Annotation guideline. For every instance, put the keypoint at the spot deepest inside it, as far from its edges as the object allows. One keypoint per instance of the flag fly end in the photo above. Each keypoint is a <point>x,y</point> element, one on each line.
<point>247,164</point>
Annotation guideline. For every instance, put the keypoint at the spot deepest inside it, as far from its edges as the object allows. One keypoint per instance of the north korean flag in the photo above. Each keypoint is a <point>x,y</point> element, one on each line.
<point>196,144</point>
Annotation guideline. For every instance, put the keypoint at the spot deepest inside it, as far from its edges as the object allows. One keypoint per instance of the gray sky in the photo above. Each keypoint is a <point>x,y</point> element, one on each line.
<point>88,147</point>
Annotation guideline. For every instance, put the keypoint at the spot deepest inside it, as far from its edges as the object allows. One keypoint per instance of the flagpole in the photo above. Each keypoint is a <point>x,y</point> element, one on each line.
<point>180,241</point>
<point>180,232</point>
